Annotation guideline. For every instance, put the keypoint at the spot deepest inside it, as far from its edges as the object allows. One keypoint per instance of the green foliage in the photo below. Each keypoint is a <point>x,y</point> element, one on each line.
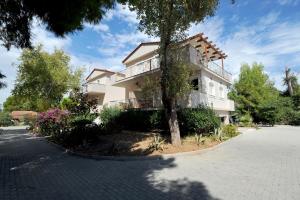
<point>60,17</point>
<point>253,90</point>
<point>169,20</point>
<point>109,114</point>
<point>268,114</point>
<point>198,120</point>
<point>67,103</point>
<point>142,120</point>
<point>246,120</point>
<point>15,102</point>
<point>81,104</point>
<point>43,78</point>
<point>5,119</point>
<point>295,119</point>
<point>230,130</point>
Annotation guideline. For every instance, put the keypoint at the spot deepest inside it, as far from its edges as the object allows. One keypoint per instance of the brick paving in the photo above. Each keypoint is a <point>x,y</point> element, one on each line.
<point>261,164</point>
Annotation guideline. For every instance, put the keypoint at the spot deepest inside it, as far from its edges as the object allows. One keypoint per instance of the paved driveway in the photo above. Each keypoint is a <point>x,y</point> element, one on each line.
<point>263,164</point>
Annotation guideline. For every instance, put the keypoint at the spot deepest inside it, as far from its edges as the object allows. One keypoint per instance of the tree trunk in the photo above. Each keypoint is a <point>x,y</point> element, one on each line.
<point>289,81</point>
<point>171,116</point>
<point>167,99</point>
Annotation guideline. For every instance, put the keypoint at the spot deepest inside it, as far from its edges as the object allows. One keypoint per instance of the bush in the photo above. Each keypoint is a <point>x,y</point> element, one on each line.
<point>268,114</point>
<point>52,122</point>
<point>246,120</point>
<point>5,119</point>
<point>191,120</point>
<point>230,130</point>
<point>198,120</point>
<point>295,119</point>
<point>142,120</point>
<point>109,118</point>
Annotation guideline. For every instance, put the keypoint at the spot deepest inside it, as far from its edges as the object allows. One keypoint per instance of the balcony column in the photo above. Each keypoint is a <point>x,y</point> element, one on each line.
<point>222,66</point>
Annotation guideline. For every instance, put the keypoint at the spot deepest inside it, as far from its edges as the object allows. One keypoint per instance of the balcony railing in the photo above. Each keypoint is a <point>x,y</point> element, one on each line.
<point>140,68</point>
<point>193,57</point>
<point>219,70</point>
<point>94,88</point>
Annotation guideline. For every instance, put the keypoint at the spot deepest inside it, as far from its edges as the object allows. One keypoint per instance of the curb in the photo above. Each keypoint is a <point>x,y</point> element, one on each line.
<point>142,158</point>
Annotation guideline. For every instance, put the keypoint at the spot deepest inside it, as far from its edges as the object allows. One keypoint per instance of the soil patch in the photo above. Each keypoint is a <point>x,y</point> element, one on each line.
<point>130,143</point>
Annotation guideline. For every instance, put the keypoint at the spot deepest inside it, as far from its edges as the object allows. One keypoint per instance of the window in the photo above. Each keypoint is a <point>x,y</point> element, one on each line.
<point>221,92</point>
<point>211,89</point>
<point>195,84</point>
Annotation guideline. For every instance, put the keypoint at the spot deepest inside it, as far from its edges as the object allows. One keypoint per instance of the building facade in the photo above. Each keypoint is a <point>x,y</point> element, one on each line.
<point>210,80</point>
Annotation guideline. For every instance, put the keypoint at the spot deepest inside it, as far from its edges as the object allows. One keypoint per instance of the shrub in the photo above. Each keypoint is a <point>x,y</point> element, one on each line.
<point>246,120</point>
<point>5,119</point>
<point>230,130</point>
<point>109,115</point>
<point>295,121</point>
<point>268,114</point>
<point>142,120</point>
<point>198,120</point>
<point>52,122</point>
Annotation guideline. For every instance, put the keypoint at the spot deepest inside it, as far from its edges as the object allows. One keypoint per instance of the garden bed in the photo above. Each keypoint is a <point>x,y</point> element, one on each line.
<point>139,144</point>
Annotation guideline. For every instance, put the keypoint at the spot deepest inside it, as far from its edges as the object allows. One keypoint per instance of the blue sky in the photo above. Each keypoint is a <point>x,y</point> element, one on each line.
<point>265,31</point>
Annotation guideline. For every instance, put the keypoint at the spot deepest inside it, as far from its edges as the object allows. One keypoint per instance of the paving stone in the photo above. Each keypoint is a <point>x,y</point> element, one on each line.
<point>261,164</point>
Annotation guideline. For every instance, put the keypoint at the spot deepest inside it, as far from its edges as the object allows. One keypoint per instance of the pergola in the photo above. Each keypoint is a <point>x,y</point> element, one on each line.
<point>206,48</point>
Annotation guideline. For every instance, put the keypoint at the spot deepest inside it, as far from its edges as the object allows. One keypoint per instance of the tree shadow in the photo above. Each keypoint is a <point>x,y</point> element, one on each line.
<point>34,169</point>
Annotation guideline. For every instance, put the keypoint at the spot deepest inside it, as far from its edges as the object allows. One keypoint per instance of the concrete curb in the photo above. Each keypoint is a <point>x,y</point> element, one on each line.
<point>142,158</point>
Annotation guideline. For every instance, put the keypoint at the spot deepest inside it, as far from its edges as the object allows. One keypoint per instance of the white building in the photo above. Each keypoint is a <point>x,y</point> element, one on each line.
<point>211,81</point>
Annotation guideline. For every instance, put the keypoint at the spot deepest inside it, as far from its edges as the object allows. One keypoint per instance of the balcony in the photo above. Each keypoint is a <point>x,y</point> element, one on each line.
<point>94,88</point>
<point>139,69</point>
<point>190,55</point>
<point>214,102</point>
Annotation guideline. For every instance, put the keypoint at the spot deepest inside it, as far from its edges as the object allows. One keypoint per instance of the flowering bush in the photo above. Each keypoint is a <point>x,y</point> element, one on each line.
<point>52,122</point>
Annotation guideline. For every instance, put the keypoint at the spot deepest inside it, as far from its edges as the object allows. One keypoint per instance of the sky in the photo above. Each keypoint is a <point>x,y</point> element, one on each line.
<point>264,31</point>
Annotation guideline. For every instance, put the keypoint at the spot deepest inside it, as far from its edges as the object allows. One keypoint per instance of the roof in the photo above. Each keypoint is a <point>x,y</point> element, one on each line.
<point>98,69</point>
<point>200,42</point>
<point>142,44</point>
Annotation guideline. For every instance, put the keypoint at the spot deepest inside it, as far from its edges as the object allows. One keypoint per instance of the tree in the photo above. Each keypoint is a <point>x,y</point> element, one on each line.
<point>253,90</point>
<point>60,17</point>
<point>2,84</point>
<point>290,80</point>
<point>44,78</point>
<point>15,102</point>
<point>168,20</point>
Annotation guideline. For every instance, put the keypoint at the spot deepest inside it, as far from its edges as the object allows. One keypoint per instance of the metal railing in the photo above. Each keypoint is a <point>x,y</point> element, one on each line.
<point>94,87</point>
<point>140,68</point>
<point>153,63</point>
<point>218,70</point>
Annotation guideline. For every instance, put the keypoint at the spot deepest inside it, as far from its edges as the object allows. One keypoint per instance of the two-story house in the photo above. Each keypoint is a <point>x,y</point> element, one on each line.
<point>210,80</point>
<point>99,86</point>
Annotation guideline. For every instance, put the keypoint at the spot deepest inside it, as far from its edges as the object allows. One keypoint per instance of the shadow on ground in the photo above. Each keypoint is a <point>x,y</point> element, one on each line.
<point>33,169</point>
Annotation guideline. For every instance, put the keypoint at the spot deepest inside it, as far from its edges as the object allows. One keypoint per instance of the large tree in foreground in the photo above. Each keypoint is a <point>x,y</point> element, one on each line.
<point>169,20</point>
<point>59,16</point>
<point>43,78</point>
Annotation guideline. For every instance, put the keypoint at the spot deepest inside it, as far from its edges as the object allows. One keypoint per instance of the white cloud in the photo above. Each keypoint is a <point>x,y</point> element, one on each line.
<point>288,2</point>
<point>122,12</point>
<point>98,27</point>
<point>269,18</point>
<point>212,27</point>
<point>269,41</point>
